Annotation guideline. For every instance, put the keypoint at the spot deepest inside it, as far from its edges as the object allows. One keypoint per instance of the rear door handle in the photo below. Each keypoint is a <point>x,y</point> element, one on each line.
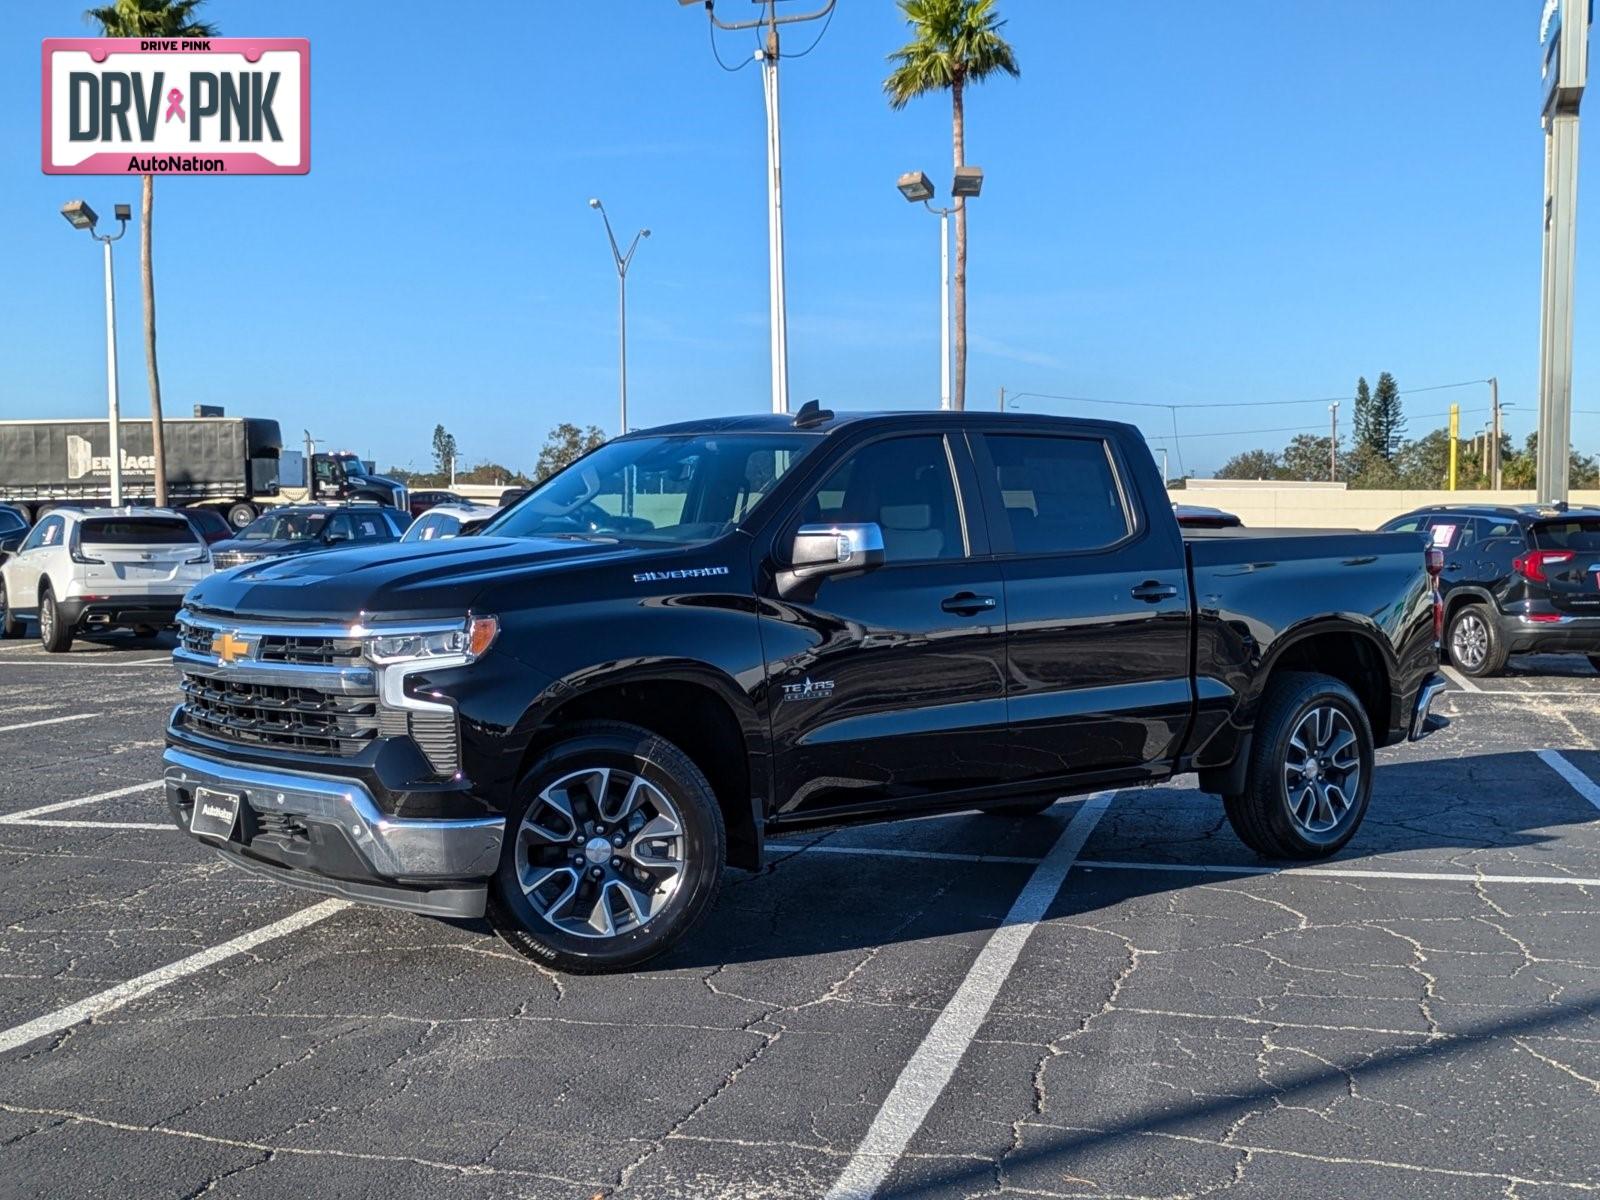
<point>1151,591</point>
<point>966,603</point>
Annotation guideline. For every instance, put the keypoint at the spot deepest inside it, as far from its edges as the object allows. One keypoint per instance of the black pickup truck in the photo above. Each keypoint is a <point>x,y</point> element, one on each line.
<point>702,634</point>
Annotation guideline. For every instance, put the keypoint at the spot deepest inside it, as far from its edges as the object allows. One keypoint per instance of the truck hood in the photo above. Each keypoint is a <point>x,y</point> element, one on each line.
<point>265,548</point>
<point>398,580</point>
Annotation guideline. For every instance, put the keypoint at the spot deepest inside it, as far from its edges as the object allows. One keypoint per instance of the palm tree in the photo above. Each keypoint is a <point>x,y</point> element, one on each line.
<point>954,43</point>
<point>151,19</point>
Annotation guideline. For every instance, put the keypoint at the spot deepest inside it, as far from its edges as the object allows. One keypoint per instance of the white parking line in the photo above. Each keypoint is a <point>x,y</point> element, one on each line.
<point>1581,783</point>
<point>133,989</point>
<point>166,826</point>
<point>49,721</point>
<point>1460,680</point>
<point>42,661</point>
<point>19,818</point>
<point>932,1066</point>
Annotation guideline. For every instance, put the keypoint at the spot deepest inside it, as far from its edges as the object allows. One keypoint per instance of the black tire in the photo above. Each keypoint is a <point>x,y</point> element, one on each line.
<point>145,631</point>
<point>54,635</point>
<point>10,623</point>
<point>241,514</point>
<point>627,752</point>
<point>1267,814</point>
<point>1594,661</point>
<point>1473,643</point>
<point>1020,808</point>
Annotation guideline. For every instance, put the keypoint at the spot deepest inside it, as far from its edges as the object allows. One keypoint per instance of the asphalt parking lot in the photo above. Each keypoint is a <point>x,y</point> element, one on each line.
<point>1112,999</point>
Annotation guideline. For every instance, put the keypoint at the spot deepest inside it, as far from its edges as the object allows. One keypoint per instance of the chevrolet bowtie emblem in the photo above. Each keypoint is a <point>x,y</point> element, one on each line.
<point>230,648</point>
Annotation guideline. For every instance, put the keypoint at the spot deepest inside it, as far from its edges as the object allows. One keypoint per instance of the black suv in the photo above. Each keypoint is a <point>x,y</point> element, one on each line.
<point>1517,579</point>
<point>305,528</point>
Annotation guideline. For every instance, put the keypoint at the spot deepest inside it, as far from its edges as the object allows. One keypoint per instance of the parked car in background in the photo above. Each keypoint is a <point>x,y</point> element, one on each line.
<point>208,523</point>
<point>306,528</point>
<point>13,527</point>
<point>421,502</point>
<point>573,720</point>
<point>91,570</point>
<point>448,521</point>
<point>1198,516</point>
<point>513,494</point>
<point>1517,579</point>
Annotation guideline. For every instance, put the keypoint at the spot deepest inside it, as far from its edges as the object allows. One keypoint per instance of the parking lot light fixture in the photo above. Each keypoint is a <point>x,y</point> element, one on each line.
<point>80,216</point>
<point>968,182</point>
<point>622,260</point>
<point>915,187</point>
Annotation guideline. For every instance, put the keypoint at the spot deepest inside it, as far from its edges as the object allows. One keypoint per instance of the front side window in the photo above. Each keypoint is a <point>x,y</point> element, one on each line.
<point>904,486</point>
<point>667,489</point>
<point>1404,525</point>
<point>1059,494</point>
<point>46,533</point>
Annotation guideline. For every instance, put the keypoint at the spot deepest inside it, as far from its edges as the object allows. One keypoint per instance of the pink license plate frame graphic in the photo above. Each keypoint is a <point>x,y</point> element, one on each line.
<point>116,162</point>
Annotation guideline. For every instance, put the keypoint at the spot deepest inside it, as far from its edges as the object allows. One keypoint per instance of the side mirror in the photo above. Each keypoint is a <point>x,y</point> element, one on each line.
<point>822,550</point>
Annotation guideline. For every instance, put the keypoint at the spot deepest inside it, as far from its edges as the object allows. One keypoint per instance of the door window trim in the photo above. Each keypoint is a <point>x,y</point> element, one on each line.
<point>994,500</point>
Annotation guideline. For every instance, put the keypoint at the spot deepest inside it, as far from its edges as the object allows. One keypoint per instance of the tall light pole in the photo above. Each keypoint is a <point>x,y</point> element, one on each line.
<point>1333,442</point>
<point>915,187</point>
<point>622,260</point>
<point>1564,34</point>
<point>80,216</point>
<point>768,56</point>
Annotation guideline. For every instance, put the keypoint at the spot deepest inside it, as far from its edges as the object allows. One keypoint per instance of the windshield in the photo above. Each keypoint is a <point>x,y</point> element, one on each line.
<point>352,466</point>
<point>687,488</point>
<point>1580,534</point>
<point>284,527</point>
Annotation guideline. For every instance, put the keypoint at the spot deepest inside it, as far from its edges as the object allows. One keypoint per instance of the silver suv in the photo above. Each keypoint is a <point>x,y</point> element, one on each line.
<point>90,570</point>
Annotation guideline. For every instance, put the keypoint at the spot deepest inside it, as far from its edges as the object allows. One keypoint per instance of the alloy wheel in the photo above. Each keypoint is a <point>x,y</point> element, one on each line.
<point>47,619</point>
<point>1322,769</point>
<point>600,852</point>
<point>1469,641</point>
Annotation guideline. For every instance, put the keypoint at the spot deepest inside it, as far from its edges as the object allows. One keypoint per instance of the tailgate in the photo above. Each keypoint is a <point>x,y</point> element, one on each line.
<point>1568,549</point>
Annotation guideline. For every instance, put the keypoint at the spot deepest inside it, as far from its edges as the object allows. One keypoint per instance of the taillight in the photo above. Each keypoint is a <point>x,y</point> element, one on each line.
<point>1531,566</point>
<point>1435,561</point>
<point>1434,558</point>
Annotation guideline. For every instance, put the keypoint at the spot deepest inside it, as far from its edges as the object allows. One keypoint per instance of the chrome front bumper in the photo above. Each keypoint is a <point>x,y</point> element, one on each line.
<point>409,852</point>
<point>1422,720</point>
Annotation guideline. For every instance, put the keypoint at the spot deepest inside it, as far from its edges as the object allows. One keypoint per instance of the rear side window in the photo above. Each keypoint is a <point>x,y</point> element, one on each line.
<point>1582,535</point>
<point>134,531</point>
<point>1060,494</point>
<point>1451,533</point>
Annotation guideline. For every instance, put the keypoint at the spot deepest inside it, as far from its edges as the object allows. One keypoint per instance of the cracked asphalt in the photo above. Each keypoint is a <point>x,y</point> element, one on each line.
<point>1416,1017</point>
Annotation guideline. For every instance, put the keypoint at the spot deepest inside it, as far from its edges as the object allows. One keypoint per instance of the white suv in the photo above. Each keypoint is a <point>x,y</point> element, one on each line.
<point>101,568</point>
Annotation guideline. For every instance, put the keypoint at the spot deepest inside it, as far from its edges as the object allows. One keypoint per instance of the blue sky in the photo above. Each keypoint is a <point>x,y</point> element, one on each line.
<point>1243,201</point>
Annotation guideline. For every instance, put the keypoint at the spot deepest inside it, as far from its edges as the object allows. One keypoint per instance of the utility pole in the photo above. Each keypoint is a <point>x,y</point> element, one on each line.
<point>1494,433</point>
<point>768,56</point>
<point>622,261</point>
<point>1564,39</point>
<point>1333,442</point>
<point>1002,399</point>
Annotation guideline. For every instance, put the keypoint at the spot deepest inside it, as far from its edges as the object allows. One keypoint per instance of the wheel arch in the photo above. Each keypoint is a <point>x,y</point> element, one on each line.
<point>1357,655</point>
<point>695,706</point>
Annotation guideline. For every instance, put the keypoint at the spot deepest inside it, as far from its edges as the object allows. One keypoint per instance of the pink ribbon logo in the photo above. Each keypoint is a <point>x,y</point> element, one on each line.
<point>174,106</point>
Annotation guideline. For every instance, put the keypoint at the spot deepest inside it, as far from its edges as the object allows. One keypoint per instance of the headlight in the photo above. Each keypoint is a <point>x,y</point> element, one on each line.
<point>464,642</point>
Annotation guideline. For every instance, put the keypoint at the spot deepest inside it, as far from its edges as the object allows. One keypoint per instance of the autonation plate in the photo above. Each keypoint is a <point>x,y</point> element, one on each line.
<point>177,106</point>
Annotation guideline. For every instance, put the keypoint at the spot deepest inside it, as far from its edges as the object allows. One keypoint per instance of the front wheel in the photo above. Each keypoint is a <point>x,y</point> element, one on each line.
<point>54,633</point>
<point>613,851</point>
<point>1310,776</point>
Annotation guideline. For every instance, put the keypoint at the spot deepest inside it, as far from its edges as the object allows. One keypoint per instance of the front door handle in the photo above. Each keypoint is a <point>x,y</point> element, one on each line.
<point>966,603</point>
<point>1151,591</point>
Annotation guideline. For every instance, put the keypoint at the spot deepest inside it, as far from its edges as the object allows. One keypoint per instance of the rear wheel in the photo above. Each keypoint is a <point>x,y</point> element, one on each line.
<point>10,623</point>
<point>613,852</point>
<point>1310,775</point>
<point>241,514</point>
<point>1473,643</point>
<point>145,631</point>
<point>54,634</point>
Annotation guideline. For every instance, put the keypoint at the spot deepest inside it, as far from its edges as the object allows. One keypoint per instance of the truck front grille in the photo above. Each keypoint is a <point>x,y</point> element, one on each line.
<point>292,718</point>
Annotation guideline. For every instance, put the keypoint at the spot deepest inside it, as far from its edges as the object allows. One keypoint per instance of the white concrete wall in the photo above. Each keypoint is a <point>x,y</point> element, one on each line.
<point>1334,506</point>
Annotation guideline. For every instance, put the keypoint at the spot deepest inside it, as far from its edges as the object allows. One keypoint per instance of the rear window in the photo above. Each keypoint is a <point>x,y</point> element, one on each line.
<point>134,531</point>
<point>1581,535</point>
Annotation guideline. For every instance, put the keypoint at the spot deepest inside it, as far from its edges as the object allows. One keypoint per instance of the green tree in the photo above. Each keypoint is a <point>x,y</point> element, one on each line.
<point>1388,423</point>
<point>151,19</point>
<point>1306,458</point>
<point>1363,467</point>
<point>953,43</point>
<point>494,474</point>
<point>1361,417</point>
<point>444,450</point>
<point>565,445</point>
<point>1252,464</point>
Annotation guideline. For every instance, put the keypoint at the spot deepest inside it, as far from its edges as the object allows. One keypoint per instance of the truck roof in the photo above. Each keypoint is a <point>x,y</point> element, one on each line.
<point>827,422</point>
<point>1536,512</point>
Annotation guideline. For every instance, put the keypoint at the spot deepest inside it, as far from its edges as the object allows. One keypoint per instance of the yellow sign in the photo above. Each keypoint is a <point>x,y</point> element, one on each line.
<point>229,648</point>
<point>1455,441</point>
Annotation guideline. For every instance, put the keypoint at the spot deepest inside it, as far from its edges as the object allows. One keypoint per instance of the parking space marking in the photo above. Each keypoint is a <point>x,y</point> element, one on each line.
<point>1102,864</point>
<point>931,1067</point>
<point>20,818</point>
<point>133,989</point>
<point>1581,783</point>
<point>94,824</point>
<point>1460,680</point>
<point>49,721</point>
<point>111,666</point>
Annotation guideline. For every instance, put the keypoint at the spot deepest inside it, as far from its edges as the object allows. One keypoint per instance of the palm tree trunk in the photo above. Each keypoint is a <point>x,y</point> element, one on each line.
<point>158,441</point>
<point>958,398</point>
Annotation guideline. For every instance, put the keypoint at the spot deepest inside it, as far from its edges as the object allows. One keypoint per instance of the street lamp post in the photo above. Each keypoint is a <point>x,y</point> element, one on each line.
<point>915,187</point>
<point>622,261</point>
<point>80,216</point>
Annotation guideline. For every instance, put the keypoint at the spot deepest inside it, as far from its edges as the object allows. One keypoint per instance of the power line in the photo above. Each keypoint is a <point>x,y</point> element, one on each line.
<point>717,54</point>
<point>1436,387</point>
<point>826,21</point>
